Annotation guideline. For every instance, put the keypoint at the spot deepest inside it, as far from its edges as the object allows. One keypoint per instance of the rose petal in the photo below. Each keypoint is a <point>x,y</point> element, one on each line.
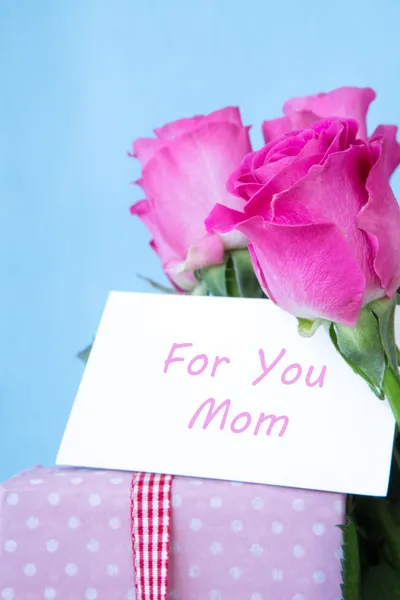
<point>230,114</point>
<point>148,216</point>
<point>347,102</point>
<point>172,130</point>
<point>259,274</point>
<point>223,219</point>
<point>145,148</point>
<point>309,270</point>
<point>303,118</point>
<point>391,147</point>
<point>260,203</point>
<point>182,280</point>
<point>334,193</point>
<point>209,251</point>
<point>380,219</point>
<point>188,177</point>
<point>275,128</point>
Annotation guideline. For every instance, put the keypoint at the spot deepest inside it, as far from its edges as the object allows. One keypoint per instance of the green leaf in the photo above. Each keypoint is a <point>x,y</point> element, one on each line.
<point>350,562</point>
<point>381,583</point>
<point>384,311</point>
<point>391,386</point>
<point>241,279</point>
<point>384,518</point>
<point>361,347</point>
<point>83,355</point>
<point>214,277</point>
<point>157,286</point>
<point>307,327</point>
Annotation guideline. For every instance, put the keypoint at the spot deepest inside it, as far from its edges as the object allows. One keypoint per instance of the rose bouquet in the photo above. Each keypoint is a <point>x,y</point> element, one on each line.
<point>309,222</point>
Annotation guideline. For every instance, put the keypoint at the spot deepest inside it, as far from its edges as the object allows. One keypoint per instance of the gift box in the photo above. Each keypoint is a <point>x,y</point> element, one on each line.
<point>66,535</point>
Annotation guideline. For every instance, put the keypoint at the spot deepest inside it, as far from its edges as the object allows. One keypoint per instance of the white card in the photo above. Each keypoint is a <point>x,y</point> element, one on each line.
<point>241,397</point>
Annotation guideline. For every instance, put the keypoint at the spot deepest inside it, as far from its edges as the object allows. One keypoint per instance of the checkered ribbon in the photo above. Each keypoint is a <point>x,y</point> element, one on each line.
<point>151,518</point>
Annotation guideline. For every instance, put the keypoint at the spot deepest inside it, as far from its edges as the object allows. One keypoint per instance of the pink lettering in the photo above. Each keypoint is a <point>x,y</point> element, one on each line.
<point>264,367</point>
<point>170,358</point>
<point>212,412</point>
<point>218,361</point>
<point>285,373</point>
<point>243,415</point>
<point>319,380</point>
<point>273,420</point>
<point>203,358</point>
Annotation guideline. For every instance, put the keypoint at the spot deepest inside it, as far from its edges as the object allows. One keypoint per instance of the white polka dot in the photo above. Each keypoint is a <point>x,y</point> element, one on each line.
<point>236,483</point>
<point>277,575</point>
<point>216,548</point>
<point>32,522</point>
<point>71,569</point>
<point>93,546</point>
<point>256,596</point>
<point>277,527</point>
<point>53,499</point>
<point>61,474</point>
<point>30,569</point>
<point>194,571</point>
<point>49,593</point>
<point>339,553</point>
<point>257,503</point>
<point>298,504</point>
<point>112,570</point>
<point>176,500</point>
<point>196,524</point>
<point>215,595</point>
<point>35,481</point>
<point>114,523</point>
<point>74,522</point>
<point>298,597</point>
<point>116,480</point>
<point>235,572</point>
<point>215,501</point>
<point>256,550</point>
<point>130,595</point>
<point>12,500</point>
<point>319,576</point>
<point>10,545</point>
<point>90,593</point>
<point>318,528</point>
<point>8,594</point>
<point>76,480</point>
<point>94,500</point>
<point>196,482</point>
<point>298,551</point>
<point>51,545</point>
<point>236,526</point>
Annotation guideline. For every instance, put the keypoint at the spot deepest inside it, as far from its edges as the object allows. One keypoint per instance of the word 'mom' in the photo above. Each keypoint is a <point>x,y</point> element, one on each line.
<point>241,422</point>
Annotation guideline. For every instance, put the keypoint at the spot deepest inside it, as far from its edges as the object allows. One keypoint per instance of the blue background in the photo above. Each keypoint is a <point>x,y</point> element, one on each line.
<point>79,81</point>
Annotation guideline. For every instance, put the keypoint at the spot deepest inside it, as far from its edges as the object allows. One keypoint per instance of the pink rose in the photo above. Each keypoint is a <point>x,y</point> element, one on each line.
<point>322,221</point>
<point>184,172</point>
<point>345,102</point>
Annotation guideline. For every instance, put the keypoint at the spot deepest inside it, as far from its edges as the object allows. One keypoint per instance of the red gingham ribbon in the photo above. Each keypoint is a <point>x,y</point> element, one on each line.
<point>151,519</point>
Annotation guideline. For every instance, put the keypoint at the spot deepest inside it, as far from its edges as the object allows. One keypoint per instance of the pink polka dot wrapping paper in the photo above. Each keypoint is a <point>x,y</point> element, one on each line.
<point>65,534</point>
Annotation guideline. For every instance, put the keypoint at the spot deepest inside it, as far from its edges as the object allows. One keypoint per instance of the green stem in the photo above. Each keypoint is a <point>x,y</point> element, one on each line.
<point>391,386</point>
<point>200,289</point>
